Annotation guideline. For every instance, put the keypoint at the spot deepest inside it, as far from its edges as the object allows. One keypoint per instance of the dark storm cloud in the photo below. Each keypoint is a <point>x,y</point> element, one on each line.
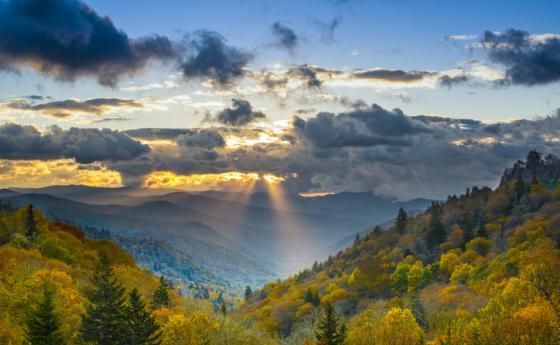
<point>363,127</point>
<point>19,142</point>
<point>203,138</point>
<point>391,75</point>
<point>241,113</point>
<point>284,37</point>
<point>209,57</point>
<point>370,149</point>
<point>528,61</point>
<point>67,39</point>
<point>65,108</point>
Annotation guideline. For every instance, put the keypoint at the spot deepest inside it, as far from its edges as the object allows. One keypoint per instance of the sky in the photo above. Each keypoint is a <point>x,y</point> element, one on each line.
<point>400,98</point>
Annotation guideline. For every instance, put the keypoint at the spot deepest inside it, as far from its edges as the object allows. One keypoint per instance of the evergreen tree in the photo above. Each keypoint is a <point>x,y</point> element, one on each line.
<point>104,322</point>
<point>400,223</point>
<point>312,297</point>
<point>330,331</point>
<point>437,233</point>
<point>357,239</point>
<point>31,231</point>
<point>248,293</point>
<point>142,328</point>
<point>520,187</point>
<point>160,298</point>
<point>43,323</point>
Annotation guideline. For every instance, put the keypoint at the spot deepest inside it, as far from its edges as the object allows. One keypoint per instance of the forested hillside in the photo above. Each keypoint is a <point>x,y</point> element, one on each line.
<point>480,268</point>
<point>59,287</point>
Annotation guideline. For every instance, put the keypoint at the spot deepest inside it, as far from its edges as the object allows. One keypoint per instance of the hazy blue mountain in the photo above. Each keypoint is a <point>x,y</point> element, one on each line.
<point>245,238</point>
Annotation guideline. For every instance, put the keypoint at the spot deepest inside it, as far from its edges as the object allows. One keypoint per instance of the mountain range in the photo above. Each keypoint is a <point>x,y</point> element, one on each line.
<point>245,239</point>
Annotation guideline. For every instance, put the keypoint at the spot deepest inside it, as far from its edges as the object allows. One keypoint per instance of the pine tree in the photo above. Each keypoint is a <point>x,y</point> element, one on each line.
<point>520,187</point>
<point>43,323</point>
<point>142,328</point>
<point>330,331</point>
<point>160,298</point>
<point>437,233</point>
<point>400,223</point>
<point>104,322</point>
<point>30,223</point>
<point>248,293</point>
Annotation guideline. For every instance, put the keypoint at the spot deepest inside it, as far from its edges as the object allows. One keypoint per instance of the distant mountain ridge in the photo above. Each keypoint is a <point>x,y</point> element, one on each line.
<point>245,238</point>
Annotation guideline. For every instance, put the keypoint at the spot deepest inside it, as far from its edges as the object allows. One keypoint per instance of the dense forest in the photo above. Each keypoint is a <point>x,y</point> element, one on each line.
<point>479,268</point>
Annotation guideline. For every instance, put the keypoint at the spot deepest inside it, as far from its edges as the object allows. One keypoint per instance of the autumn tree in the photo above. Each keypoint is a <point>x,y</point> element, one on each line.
<point>43,322</point>
<point>141,326</point>
<point>104,322</point>
<point>399,327</point>
<point>400,223</point>
<point>161,298</point>
<point>330,331</point>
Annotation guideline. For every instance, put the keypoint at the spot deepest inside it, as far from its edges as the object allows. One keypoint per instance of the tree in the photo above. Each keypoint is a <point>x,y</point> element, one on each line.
<point>160,298</point>
<point>400,223</point>
<point>520,187</point>
<point>248,293</point>
<point>43,323</point>
<point>330,331</point>
<point>31,231</point>
<point>104,322</point>
<point>437,233</point>
<point>142,328</point>
<point>399,327</point>
<point>312,297</point>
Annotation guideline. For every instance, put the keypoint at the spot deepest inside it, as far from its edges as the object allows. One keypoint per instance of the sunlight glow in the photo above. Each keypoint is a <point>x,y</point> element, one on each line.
<point>238,181</point>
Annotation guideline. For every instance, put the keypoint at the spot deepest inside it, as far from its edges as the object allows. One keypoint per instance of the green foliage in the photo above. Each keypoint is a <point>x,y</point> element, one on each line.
<point>105,321</point>
<point>51,248</point>
<point>31,231</point>
<point>437,232</point>
<point>160,298</point>
<point>400,223</point>
<point>43,322</point>
<point>330,331</point>
<point>142,329</point>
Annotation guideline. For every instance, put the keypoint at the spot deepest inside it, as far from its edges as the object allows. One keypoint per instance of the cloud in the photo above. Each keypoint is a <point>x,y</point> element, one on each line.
<point>18,142</point>
<point>363,127</point>
<point>308,74</point>
<point>529,60</point>
<point>241,113</point>
<point>67,39</point>
<point>398,76</point>
<point>209,57</point>
<point>66,108</point>
<point>284,37</point>
<point>328,29</point>
<point>203,138</point>
<point>460,37</point>
<point>368,149</point>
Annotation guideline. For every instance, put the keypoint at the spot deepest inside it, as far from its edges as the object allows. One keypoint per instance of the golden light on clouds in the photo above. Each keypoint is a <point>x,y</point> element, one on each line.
<point>198,182</point>
<point>35,173</point>
<point>234,142</point>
